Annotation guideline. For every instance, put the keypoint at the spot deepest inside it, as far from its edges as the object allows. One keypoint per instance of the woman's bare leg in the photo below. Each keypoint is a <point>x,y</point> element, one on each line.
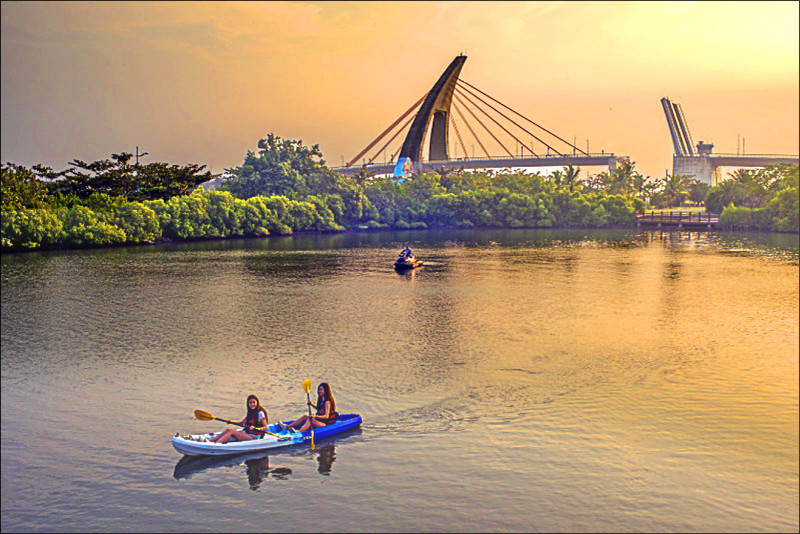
<point>309,422</point>
<point>299,422</point>
<point>225,433</point>
<point>238,434</point>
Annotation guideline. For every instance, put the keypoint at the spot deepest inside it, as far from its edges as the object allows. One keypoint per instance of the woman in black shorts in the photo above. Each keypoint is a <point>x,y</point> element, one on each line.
<point>326,411</point>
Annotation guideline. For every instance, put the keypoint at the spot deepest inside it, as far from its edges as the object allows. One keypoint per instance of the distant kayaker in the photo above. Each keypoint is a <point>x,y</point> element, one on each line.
<point>255,423</point>
<point>326,411</point>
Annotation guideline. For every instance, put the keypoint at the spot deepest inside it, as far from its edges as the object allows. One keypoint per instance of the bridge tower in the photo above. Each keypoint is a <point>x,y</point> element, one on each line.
<point>436,110</point>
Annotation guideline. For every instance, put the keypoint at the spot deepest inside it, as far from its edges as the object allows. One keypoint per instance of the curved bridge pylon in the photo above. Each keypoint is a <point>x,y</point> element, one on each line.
<point>435,111</point>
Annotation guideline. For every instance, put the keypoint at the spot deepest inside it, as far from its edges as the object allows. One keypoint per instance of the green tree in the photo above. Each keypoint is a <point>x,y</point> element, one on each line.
<point>642,187</point>
<point>571,180</point>
<point>782,210</point>
<point>21,188</point>
<point>619,180</point>
<point>30,228</point>
<point>557,177</point>
<point>422,187</point>
<point>675,189</point>
<point>84,227</point>
<point>139,222</point>
<point>117,177</point>
<point>724,194</point>
<point>282,167</point>
<point>698,190</point>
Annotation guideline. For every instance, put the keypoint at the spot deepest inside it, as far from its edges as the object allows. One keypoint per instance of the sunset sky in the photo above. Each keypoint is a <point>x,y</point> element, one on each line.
<point>202,82</point>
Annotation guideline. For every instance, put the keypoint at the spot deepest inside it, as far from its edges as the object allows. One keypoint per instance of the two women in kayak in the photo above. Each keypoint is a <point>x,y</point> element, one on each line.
<point>326,412</point>
<point>256,421</point>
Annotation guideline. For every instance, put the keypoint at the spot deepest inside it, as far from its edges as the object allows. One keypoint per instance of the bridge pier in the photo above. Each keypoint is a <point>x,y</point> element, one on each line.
<point>707,167</point>
<point>700,168</point>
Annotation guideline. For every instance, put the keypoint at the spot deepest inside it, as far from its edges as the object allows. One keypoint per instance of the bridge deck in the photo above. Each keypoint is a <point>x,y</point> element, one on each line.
<point>609,160</point>
<point>730,160</point>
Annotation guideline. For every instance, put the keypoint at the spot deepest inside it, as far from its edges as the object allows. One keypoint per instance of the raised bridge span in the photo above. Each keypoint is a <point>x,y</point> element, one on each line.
<point>698,161</point>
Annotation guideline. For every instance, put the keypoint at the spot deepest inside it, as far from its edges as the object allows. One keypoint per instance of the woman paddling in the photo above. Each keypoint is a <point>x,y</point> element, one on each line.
<point>255,423</point>
<point>326,412</point>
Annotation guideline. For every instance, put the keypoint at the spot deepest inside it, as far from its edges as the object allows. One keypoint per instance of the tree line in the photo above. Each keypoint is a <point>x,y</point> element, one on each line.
<point>286,186</point>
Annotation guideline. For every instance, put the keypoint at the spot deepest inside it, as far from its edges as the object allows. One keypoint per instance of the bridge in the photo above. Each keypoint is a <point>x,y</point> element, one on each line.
<point>698,161</point>
<point>434,120</point>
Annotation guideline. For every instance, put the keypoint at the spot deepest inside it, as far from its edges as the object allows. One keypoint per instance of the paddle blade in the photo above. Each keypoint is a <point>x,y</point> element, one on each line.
<point>307,385</point>
<point>203,416</point>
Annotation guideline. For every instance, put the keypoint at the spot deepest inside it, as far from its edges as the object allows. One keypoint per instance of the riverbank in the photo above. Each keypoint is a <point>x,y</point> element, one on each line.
<point>309,233</point>
<point>218,214</point>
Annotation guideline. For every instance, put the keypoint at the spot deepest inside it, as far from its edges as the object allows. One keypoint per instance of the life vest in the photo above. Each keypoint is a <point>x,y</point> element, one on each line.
<point>256,422</point>
<point>332,416</point>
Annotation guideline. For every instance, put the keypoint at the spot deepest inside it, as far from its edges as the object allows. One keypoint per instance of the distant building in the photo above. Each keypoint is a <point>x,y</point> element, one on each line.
<point>216,181</point>
<point>705,149</point>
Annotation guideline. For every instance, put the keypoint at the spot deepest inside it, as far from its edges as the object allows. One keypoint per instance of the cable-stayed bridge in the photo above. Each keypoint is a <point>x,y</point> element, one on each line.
<point>477,119</point>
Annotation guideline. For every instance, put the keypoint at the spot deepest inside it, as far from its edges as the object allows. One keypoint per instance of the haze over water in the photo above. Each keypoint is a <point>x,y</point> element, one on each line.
<point>522,380</point>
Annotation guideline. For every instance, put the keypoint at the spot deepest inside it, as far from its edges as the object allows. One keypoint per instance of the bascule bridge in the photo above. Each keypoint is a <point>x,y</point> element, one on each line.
<point>698,161</point>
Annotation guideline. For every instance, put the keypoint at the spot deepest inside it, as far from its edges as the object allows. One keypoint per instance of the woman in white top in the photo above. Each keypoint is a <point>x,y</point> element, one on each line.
<point>255,423</point>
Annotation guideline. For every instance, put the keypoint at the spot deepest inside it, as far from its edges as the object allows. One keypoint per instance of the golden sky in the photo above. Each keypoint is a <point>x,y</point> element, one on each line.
<point>202,82</point>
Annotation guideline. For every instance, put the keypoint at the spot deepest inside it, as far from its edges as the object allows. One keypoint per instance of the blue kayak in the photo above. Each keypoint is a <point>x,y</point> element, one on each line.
<point>193,445</point>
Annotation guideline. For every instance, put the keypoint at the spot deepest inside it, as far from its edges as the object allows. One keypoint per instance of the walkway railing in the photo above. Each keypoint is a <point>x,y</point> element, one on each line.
<point>733,155</point>
<point>677,218</point>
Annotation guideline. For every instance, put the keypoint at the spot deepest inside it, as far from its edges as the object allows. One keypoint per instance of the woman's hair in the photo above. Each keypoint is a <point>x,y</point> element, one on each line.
<point>253,414</point>
<point>328,396</point>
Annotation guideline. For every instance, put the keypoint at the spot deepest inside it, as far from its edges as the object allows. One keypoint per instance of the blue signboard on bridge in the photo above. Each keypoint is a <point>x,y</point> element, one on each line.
<point>403,169</point>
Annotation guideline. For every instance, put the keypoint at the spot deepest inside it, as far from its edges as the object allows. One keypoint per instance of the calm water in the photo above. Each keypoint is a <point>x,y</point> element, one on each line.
<point>522,380</point>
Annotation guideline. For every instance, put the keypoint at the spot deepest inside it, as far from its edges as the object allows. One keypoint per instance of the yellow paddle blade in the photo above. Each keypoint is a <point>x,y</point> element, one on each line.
<point>307,385</point>
<point>203,416</point>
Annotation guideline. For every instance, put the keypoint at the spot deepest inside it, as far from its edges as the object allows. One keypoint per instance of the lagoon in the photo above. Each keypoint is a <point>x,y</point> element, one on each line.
<point>522,380</point>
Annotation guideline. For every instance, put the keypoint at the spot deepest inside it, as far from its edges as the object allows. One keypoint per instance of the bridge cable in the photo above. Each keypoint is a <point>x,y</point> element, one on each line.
<point>515,124</point>
<point>458,134</point>
<point>390,140</point>
<point>462,93</point>
<point>391,157</point>
<point>524,117</point>
<point>487,129</point>
<point>470,129</point>
<point>395,123</point>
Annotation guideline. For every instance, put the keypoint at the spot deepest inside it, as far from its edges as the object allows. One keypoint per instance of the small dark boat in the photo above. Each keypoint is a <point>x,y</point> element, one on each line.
<point>407,262</point>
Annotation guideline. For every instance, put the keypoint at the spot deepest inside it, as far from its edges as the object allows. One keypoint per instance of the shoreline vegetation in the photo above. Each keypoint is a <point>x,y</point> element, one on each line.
<point>286,187</point>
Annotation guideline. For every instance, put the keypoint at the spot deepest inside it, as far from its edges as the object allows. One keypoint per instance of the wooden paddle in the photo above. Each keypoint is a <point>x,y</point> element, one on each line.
<point>307,389</point>
<point>205,416</point>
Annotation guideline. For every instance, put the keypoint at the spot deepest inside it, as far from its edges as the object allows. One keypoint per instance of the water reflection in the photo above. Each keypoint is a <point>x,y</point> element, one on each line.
<point>256,464</point>
<point>258,469</point>
<point>408,274</point>
<point>326,455</point>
